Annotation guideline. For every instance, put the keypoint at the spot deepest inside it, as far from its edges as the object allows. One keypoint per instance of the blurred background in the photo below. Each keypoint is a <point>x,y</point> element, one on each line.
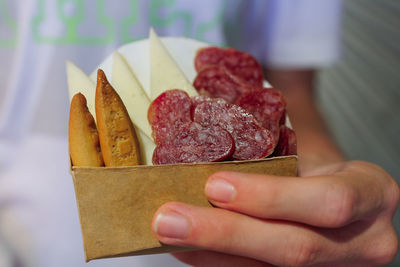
<point>358,91</point>
<point>360,95</point>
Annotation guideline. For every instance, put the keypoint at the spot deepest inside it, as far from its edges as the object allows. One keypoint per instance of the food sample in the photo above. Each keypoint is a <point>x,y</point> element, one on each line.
<point>238,63</point>
<point>218,82</point>
<point>287,144</point>
<point>165,73</point>
<point>116,204</point>
<point>178,138</point>
<point>79,82</point>
<point>225,115</point>
<point>118,140</point>
<point>268,106</point>
<point>237,78</point>
<point>252,141</point>
<point>194,143</point>
<point>167,112</point>
<point>83,140</point>
<point>130,90</point>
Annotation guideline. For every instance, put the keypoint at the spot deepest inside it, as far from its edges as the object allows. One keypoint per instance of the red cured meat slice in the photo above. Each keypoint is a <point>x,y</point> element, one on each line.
<point>197,100</point>
<point>208,56</point>
<point>217,82</point>
<point>268,107</point>
<point>200,99</point>
<point>287,144</point>
<point>273,127</point>
<point>282,121</point>
<point>193,143</point>
<point>167,112</point>
<point>251,140</point>
<point>240,64</point>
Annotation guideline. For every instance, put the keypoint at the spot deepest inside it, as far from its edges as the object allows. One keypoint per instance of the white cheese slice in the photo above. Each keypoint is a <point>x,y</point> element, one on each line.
<point>131,92</point>
<point>79,82</point>
<point>146,147</point>
<point>165,73</point>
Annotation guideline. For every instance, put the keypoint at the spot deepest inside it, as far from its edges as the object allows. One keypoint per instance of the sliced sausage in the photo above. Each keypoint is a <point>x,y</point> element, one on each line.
<point>193,143</point>
<point>252,141</point>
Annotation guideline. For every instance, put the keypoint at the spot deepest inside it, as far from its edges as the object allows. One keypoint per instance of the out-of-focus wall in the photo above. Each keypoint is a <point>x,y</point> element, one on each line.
<point>360,96</point>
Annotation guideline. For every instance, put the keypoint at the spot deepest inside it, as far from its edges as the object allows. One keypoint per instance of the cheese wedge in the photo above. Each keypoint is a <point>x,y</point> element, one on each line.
<point>131,91</point>
<point>79,82</point>
<point>146,146</point>
<point>165,73</point>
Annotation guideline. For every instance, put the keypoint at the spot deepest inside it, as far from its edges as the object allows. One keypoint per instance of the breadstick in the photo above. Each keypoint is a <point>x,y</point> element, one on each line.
<point>84,143</point>
<point>118,139</point>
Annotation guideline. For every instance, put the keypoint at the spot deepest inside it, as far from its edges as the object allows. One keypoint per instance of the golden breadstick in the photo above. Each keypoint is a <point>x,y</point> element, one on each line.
<point>84,146</point>
<point>118,139</point>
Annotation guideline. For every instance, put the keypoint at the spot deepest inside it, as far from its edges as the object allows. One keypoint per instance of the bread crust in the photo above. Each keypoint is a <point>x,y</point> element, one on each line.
<point>118,139</point>
<point>83,137</point>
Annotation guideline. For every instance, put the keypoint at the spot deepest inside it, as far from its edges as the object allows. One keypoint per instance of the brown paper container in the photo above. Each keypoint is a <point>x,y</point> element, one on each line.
<point>116,205</point>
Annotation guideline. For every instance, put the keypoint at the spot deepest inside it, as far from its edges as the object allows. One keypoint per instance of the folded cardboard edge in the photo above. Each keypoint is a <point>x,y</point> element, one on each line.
<point>73,168</point>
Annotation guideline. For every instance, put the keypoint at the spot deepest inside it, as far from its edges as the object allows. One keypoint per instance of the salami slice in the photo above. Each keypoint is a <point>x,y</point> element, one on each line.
<point>168,112</point>
<point>208,56</point>
<point>193,143</point>
<point>251,140</point>
<point>240,64</point>
<point>218,82</point>
<point>268,107</point>
<point>198,100</point>
<point>287,144</point>
<point>282,121</point>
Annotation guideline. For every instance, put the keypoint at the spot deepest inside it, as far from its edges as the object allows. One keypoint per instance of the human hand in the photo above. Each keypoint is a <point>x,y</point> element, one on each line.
<point>339,215</point>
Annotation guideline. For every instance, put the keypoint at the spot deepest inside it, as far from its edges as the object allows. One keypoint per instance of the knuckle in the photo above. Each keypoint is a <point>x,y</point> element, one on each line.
<point>386,251</point>
<point>302,252</point>
<point>340,203</point>
<point>393,246</point>
<point>390,189</point>
<point>389,255</point>
<point>219,234</point>
<point>270,201</point>
<point>383,180</point>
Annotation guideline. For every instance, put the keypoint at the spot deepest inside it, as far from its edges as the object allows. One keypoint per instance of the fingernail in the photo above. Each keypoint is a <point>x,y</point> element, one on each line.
<point>220,190</point>
<point>171,224</point>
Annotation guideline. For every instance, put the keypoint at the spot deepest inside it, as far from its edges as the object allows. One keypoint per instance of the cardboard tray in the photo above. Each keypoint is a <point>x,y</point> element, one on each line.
<point>116,205</point>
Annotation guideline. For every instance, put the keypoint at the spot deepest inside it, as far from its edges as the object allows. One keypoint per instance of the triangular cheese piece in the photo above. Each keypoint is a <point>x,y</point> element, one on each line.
<point>147,147</point>
<point>79,82</point>
<point>131,92</point>
<point>165,73</point>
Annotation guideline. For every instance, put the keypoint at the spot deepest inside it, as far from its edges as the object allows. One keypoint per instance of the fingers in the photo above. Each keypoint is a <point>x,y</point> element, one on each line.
<point>333,200</point>
<point>353,191</point>
<point>232,233</point>
<point>217,259</point>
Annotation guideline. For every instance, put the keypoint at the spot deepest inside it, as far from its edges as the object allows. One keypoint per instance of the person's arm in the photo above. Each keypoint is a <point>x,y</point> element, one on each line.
<point>314,143</point>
